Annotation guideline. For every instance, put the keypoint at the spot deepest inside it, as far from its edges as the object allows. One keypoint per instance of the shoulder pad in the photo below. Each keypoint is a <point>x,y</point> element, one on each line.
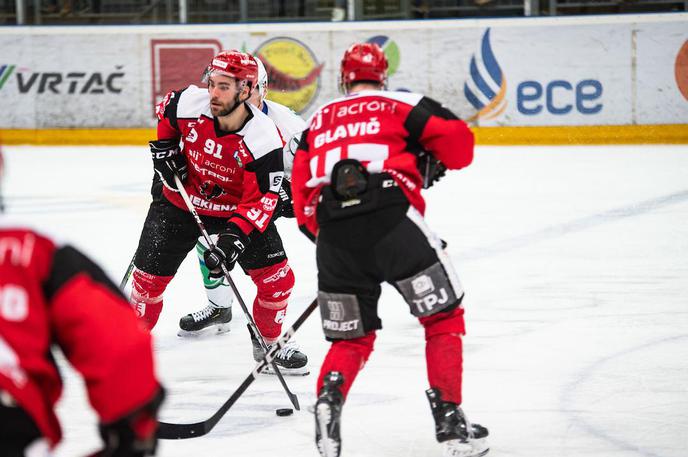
<point>260,134</point>
<point>287,121</point>
<point>193,101</point>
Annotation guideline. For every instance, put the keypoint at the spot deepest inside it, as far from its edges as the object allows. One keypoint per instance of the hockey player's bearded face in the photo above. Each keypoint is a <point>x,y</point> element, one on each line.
<point>226,94</point>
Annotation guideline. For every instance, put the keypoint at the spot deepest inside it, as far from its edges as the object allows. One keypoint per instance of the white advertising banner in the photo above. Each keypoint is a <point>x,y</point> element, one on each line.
<point>509,72</point>
<point>662,73</point>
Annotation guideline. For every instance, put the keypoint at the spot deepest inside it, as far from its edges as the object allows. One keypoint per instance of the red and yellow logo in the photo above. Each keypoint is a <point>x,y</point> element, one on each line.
<point>681,70</point>
<point>293,72</point>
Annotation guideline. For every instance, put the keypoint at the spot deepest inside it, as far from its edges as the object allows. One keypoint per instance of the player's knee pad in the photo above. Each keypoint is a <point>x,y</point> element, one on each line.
<point>444,323</point>
<point>274,283</point>
<point>429,292</point>
<point>146,295</point>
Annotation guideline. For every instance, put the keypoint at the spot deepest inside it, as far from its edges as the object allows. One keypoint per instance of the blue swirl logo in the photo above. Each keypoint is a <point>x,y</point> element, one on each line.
<point>486,88</point>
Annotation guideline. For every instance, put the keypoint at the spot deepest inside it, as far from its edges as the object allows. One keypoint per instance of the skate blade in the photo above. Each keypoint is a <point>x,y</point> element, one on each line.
<point>327,446</point>
<point>303,371</point>
<point>473,448</point>
<point>216,329</point>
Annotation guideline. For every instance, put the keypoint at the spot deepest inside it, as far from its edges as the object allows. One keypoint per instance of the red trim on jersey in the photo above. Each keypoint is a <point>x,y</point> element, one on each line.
<point>166,131</point>
<point>94,326</point>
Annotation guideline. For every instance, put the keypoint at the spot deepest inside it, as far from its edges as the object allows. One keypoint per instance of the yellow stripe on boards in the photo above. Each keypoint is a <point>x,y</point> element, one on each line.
<point>584,134</point>
<point>598,134</point>
<point>101,137</point>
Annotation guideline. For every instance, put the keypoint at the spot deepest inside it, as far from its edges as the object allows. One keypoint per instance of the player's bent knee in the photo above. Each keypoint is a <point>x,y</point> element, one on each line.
<point>274,283</point>
<point>341,316</point>
<point>146,295</point>
<point>363,345</point>
<point>443,323</point>
<point>429,291</point>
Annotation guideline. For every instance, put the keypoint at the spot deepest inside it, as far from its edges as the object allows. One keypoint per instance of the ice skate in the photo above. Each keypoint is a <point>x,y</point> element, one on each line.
<point>209,320</point>
<point>290,360</point>
<point>459,438</point>
<point>328,411</point>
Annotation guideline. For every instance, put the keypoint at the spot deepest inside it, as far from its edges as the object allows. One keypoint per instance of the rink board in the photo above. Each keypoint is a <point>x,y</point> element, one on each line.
<point>568,72</point>
<point>601,134</point>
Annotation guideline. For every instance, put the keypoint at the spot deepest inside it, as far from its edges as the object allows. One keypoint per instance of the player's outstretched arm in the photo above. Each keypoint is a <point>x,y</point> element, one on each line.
<point>103,339</point>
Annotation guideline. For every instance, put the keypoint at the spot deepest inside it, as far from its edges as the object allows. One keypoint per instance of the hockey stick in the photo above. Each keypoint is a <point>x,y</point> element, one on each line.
<point>125,279</point>
<point>168,431</point>
<point>252,324</point>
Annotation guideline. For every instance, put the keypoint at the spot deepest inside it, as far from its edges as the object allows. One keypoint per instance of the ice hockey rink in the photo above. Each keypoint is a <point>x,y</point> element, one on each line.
<point>575,265</point>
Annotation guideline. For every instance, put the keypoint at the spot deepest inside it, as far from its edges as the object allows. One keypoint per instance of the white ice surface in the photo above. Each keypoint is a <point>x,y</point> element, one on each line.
<point>575,263</point>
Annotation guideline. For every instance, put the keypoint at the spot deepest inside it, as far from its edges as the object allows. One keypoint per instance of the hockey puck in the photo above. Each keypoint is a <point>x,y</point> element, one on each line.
<point>284,411</point>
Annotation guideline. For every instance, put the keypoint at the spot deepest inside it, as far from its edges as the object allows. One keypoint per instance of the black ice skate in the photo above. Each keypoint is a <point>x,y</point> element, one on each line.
<point>328,411</point>
<point>290,360</point>
<point>208,320</point>
<point>459,437</point>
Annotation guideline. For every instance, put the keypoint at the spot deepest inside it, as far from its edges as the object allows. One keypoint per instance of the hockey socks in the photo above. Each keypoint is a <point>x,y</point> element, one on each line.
<point>348,358</point>
<point>274,284</point>
<point>146,296</point>
<point>443,352</point>
<point>269,317</point>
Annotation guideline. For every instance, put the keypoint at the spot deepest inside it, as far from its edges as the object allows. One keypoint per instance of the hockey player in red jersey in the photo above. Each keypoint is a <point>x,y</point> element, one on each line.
<point>229,156</point>
<point>54,295</point>
<point>214,316</point>
<point>357,180</point>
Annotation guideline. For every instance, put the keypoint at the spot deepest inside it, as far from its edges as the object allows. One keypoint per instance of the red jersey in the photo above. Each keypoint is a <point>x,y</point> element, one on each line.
<point>382,130</point>
<point>236,175</point>
<point>54,295</point>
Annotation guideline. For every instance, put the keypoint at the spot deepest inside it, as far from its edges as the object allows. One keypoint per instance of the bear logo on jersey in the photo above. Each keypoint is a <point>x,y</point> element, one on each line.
<point>210,190</point>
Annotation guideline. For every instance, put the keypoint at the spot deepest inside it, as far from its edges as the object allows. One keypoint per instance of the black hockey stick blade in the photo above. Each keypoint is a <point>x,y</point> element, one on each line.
<point>169,431</point>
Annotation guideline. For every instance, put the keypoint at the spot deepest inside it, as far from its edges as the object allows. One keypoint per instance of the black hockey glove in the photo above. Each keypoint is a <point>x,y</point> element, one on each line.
<point>230,245</point>
<point>286,202</point>
<point>133,435</point>
<point>430,168</point>
<point>168,159</point>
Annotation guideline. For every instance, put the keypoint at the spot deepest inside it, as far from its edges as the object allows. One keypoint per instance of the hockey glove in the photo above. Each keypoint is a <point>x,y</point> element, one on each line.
<point>430,168</point>
<point>230,245</point>
<point>168,160</point>
<point>134,434</point>
<point>286,202</point>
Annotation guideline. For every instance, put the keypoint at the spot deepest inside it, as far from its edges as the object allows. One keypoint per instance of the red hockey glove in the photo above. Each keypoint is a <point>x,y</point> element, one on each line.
<point>168,160</point>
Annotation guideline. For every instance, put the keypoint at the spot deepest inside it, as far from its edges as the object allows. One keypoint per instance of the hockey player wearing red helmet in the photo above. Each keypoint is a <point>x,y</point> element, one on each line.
<point>54,296</point>
<point>357,180</point>
<point>213,317</point>
<point>229,157</point>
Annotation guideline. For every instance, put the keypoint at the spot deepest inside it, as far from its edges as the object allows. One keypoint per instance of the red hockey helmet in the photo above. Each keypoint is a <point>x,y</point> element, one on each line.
<point>235,64</point>
<point>363,62</point>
